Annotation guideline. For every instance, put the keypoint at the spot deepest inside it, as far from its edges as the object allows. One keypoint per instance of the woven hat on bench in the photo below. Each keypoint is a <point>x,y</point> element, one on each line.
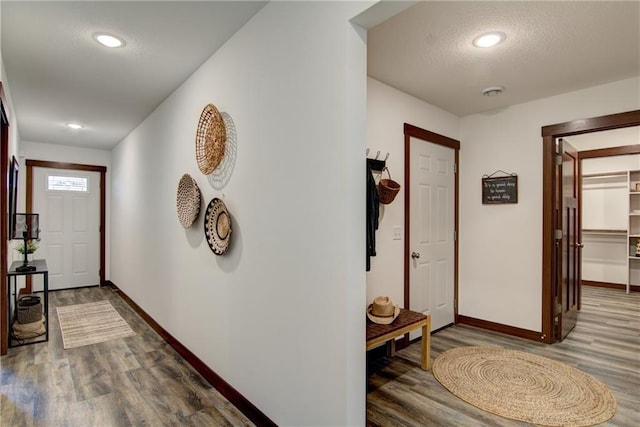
<point>382,311</point>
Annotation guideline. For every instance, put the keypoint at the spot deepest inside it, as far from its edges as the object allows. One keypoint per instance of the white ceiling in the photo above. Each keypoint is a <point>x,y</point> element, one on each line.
<point>57,73</point>
<point>551,48</point>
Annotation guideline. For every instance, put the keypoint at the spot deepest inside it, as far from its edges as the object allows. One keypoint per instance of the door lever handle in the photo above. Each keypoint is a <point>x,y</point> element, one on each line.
<point>415,255</point>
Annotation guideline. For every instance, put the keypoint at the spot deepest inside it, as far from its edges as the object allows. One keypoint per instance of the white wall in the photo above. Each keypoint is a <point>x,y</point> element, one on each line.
<point>14,135</point>
<point>606,139</point>
<point>67,154</point>
<point>281,316</point>
<point>501,245</point>
<point>387,111</point>
<point>14,142</point>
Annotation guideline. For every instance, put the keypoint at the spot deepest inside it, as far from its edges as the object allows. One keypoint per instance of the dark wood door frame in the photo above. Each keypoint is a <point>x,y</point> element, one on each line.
<point>549,194</point>
<point>434,138</point>
<point>73,166</point>
<point>4,234</point>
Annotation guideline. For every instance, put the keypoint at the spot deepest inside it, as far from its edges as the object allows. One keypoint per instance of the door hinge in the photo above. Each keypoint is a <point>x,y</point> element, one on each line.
<point>558,234</point>
<point>455,235</point>
<point>455,168</point>
<point>558,160</point>
<point>455,304</point>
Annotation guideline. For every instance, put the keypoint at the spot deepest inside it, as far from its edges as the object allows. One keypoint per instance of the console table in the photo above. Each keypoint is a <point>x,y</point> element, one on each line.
<point>406,321</point>
<point>12,288</point>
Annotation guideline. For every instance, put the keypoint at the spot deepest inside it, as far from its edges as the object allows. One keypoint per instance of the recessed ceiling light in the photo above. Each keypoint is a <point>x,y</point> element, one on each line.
<point>489,39</point>
<point>108,40</point>
<point>75,126</point>
<point>493,91</point>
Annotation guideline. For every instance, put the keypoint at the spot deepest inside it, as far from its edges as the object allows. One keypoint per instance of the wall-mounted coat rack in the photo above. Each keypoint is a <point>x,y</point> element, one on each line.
<point>377,164</point>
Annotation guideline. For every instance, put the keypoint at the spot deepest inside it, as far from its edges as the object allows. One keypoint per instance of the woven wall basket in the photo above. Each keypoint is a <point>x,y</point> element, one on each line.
<point>211,138</point>
<point>217,226</point>
<point>388,189</point>
<point>187,200</point>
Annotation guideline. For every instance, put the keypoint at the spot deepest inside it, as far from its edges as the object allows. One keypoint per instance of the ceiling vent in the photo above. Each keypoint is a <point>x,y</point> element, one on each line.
<point>493,91</point>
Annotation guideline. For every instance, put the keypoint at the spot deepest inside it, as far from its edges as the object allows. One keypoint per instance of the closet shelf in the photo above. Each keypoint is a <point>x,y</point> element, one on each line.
<point>622,174</point>
<point>607,232</point>
<point>614,197</point>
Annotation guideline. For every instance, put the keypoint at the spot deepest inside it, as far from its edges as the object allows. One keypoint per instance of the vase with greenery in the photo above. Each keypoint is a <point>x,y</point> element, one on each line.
<point>31,247</point>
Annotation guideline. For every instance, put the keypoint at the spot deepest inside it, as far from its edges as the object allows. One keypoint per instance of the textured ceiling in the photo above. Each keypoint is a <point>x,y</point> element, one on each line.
<point>57,73</point>
<point>551,48</point>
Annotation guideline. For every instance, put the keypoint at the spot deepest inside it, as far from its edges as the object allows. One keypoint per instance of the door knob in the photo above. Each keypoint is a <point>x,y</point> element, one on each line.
<point>580,245</point>
<point>415,255</point>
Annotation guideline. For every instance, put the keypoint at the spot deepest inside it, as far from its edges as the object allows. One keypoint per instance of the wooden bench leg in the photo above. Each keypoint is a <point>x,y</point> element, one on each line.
<point>426,345</point>
<point>391,347</point>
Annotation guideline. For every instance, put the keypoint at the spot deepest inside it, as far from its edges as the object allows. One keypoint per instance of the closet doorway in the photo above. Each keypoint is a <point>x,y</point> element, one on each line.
<point>552,259</point>
<point>610,207</point>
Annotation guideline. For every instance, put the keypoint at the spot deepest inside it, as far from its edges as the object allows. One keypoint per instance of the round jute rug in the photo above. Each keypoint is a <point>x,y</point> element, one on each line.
<point>524,387</point>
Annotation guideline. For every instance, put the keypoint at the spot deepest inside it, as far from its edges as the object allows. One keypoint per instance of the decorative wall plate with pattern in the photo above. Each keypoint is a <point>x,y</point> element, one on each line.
<point>217,226</point>
<point>187,200</point>
<point>211,138</point>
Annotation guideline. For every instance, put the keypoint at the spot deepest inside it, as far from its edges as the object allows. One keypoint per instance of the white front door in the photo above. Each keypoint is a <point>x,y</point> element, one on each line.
<point>431,278</point>
<point>68,203</point>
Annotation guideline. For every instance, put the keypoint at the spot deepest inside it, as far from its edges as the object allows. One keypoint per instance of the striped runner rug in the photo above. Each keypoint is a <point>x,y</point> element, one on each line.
<point>91,323</point>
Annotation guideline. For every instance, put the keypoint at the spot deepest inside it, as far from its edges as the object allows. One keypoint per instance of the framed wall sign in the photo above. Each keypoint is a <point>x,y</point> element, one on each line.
<point>499,189</point>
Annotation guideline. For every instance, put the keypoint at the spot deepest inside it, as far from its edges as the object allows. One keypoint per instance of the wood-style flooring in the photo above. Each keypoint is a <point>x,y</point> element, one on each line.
<point>605,344</point>
<point>138,380</point>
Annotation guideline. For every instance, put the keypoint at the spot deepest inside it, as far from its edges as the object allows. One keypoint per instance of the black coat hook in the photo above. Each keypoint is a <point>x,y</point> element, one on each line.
<point>376,164</point>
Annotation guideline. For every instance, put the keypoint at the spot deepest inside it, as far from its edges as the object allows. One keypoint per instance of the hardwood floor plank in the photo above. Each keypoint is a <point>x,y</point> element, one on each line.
<point>605,344</point>
<point>138,380</point>
<point>56,380</point>
<point>217,404</point>
<point>15,410</point>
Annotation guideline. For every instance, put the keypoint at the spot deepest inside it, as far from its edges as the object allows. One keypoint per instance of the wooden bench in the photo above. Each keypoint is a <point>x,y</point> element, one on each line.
<point>406,321</point>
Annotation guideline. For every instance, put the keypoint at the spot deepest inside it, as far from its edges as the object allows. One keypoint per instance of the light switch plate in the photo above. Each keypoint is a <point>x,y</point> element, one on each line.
<point>397,233</point>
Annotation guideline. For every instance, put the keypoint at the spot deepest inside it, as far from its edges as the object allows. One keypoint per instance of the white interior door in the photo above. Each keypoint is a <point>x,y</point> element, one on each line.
<point>68,203</point>
<point>431,284</point>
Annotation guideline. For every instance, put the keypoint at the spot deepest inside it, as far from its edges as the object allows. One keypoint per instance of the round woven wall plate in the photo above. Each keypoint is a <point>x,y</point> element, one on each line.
<point>217,226</point>
<point>187,200</point>
<point>211,138</point>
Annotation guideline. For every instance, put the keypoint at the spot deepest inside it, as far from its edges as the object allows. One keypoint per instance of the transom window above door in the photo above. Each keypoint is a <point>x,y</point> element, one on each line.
<point>67,183</point>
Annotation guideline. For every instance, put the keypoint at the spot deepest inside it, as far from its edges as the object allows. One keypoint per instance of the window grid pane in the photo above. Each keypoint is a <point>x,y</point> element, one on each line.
<point>67,183</point>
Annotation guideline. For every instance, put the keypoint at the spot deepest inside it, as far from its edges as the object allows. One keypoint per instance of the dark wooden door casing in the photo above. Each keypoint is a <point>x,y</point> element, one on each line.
<point>4,234</point>
<point>102,170</point>
<point>411,131</point>
<point>550,191</point>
